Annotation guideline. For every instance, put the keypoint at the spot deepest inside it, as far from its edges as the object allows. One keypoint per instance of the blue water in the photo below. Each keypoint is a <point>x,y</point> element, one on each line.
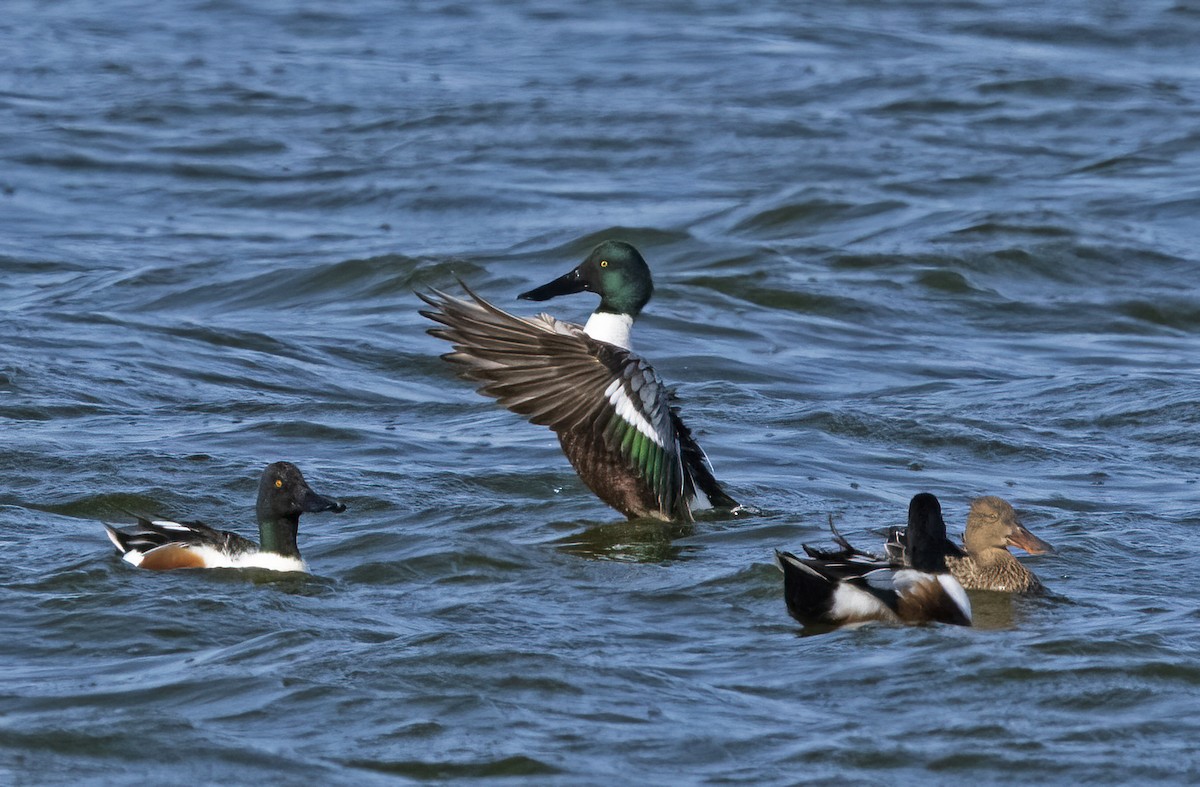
<point>897,247</point>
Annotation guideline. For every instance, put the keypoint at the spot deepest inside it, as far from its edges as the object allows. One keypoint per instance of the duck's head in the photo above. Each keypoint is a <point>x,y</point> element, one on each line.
<point>926,535</point>
<point>614,270</point>
<point>992,524</point>
<point>283,495</point>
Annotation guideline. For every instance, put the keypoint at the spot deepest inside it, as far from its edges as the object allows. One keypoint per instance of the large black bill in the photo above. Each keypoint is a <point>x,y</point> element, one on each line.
<point>564,285</point>
<point>312,503</point>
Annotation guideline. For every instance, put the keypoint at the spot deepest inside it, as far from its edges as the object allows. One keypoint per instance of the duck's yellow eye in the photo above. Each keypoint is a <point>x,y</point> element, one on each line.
<point>603,263</point>
<point>279,483</point>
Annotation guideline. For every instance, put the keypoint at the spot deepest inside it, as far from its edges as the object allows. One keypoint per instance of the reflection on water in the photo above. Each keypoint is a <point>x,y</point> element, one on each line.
<point>992,610</point>
<point>632,541</point>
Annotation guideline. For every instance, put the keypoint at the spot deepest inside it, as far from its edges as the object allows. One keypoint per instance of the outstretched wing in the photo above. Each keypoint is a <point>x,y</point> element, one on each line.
<point>605,403</point>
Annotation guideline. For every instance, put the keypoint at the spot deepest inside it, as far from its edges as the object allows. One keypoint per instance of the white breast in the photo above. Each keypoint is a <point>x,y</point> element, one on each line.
<point>215,558</point>
<point>267,560</point>
<point>611,328</point>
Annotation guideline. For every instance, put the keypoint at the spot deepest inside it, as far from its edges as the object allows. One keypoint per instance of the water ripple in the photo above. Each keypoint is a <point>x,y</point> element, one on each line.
<point>895,249</point>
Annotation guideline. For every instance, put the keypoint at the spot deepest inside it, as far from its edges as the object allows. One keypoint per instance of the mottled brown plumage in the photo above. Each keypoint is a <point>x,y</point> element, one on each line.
<point>606,473</point>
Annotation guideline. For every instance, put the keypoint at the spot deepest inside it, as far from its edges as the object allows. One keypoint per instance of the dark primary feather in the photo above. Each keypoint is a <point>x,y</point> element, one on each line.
<point>700,470</point>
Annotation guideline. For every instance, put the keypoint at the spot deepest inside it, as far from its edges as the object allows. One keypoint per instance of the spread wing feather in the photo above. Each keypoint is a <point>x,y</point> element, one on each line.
<point>557,376</point>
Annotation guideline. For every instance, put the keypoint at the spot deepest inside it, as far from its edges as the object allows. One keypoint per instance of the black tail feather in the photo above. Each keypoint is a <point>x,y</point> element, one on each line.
<point>808,594</point>
<point>696,463</point>
<point>847,552</point>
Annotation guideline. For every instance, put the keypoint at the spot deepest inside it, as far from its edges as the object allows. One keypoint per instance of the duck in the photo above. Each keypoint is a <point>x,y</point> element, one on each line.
<point>853,587</point>
<point>283,495</point>
<point>992,527</point>
<point>616,420</point>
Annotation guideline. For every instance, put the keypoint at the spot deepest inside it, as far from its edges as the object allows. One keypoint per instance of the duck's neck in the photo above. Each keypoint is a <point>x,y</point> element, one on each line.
<point>992,556</point>
<point>279,536</point>
<point>610,327</point>
<point>926,554</point>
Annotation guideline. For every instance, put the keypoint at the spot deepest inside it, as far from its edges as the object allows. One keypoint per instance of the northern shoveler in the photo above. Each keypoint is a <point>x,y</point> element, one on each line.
<point>613,416</point>
<point>835,588</point>
<point>283,495</point>
<point>992,527</point>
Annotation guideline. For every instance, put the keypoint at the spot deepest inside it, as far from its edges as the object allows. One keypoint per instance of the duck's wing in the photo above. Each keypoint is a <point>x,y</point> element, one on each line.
<point>836,591</point>
<point>897,545</point>
<point>166,538</point>
<point>608,407</point>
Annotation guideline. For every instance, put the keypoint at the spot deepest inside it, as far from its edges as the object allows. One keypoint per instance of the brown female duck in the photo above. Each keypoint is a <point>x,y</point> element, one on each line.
<point>992,527</point>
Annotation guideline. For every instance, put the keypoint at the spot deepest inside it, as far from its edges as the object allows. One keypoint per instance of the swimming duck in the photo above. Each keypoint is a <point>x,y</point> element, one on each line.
<point>850,586</point>
<point>283,495</point>
<point>613,416</point>
<point>992,527</point>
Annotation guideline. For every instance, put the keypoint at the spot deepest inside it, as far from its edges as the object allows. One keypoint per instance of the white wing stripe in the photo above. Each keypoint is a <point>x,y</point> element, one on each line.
<point>629,411</point>
<point>169,525</point>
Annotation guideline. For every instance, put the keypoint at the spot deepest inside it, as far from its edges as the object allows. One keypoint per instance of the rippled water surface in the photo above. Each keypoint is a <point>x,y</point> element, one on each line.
<point>898,247</point>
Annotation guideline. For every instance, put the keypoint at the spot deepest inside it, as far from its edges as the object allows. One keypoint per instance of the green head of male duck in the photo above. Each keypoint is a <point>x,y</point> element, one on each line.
<point>614,270</point>
<point>283,495</point>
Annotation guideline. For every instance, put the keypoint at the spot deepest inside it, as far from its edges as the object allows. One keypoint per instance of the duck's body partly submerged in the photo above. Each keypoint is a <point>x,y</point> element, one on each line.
<point>992,527</point>
<point>611,412</point>
<point>283,494</point>
<point>847,587</point>
<point>161,544</point>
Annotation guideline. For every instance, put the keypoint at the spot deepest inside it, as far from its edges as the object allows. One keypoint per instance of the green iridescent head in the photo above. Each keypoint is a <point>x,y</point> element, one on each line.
<point>614,270</point>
